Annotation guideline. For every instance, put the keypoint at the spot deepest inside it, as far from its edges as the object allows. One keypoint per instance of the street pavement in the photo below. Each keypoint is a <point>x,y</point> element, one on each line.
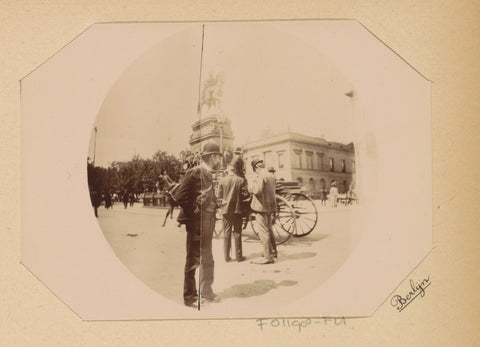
<point>156,256</point>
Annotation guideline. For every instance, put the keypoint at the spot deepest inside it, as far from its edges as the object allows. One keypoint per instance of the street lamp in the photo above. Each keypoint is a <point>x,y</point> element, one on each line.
<point>357,123</point>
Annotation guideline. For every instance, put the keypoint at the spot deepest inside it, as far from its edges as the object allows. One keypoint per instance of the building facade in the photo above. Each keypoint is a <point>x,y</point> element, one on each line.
<point>312,161</point>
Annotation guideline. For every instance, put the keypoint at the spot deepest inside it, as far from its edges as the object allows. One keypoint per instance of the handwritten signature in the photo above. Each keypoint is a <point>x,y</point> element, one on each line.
<point>298,323</point>
<point>417,288</point>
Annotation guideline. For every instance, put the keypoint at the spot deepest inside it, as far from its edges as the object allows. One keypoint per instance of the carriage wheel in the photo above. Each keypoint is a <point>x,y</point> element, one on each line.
<point>283,221</point>
<point>306,213</point>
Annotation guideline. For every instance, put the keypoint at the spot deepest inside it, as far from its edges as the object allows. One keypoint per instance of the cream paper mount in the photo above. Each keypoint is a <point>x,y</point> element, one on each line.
<point>138,85</point>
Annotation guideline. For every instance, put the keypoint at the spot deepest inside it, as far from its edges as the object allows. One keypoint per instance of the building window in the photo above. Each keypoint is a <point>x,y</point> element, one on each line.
<point>268,158</point>
<point>298,158</point>
<point>343,165</point>
<point>281,160</point>
<point>320,161</point>
<point>332,165</point>
<point>353,166</point>
<point>300,180</point>
<point>309,160</point>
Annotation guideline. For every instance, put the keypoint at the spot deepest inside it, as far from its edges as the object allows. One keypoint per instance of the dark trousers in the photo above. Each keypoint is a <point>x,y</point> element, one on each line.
<point>232,222</point>
<point>199,254</point>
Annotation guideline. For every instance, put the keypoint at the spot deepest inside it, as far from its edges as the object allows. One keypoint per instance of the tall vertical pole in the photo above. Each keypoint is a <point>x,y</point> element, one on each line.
<point>358,144</point>
<point>221,144</point>
<point>199,110</point>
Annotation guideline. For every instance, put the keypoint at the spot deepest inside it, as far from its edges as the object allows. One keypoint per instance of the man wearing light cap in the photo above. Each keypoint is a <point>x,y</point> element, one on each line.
<point>264,204</point>
<point>196,197</point>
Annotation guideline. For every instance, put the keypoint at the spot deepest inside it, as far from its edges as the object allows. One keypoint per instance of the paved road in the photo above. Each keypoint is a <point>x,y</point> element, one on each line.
<point>156,255</point>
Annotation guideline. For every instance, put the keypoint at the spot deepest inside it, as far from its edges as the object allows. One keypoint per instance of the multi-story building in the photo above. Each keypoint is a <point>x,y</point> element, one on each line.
<point>312,161</point>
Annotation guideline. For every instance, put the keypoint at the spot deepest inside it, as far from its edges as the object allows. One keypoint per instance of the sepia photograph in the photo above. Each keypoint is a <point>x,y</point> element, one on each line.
<point>235,170</point>
<point>235,91</point>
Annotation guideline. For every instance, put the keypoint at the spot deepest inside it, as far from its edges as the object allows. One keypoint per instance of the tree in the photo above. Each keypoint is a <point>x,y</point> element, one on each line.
<point>102,180</point>
<point>136,176</point>
<point>167,163</point>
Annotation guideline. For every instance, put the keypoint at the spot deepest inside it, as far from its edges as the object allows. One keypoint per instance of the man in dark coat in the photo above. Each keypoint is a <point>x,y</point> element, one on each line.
<point>233,190</point>
<point>95,199</point>
<point>238,163</point>
<point>125,198</point>
<point>108,200</point>
<point>196,197</point>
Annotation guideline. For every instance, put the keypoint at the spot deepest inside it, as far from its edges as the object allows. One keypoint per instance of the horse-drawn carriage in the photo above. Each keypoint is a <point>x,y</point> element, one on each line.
<point>296,214</point>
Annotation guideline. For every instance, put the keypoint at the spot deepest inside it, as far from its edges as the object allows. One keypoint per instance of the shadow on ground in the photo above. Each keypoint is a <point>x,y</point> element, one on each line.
<point>307,240</point>
<point>257,288</point>
<point>302,240</point>
<point>296,256</point>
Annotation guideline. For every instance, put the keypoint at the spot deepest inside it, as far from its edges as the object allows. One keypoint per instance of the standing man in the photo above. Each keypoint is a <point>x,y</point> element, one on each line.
<point>238,162</point>
<point>233,190</point>
<point>131,199</point>
<point>196,197</point>
<point>264,204</point>
<point>125,198</point>
<point>333,194</point>
<point>323,196</point>
<point>238,165</point>
<point>95,199</point>
<point>108,200</point>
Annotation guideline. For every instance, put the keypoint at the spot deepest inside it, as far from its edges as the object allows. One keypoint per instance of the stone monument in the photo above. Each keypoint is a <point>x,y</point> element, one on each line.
<point>212,123</point>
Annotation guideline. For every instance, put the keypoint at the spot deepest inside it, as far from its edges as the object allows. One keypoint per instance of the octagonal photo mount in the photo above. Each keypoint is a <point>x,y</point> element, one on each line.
<point>121,94</point>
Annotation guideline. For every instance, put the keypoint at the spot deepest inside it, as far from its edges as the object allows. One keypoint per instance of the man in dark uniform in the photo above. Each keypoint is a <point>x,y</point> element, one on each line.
<point>196,197</point>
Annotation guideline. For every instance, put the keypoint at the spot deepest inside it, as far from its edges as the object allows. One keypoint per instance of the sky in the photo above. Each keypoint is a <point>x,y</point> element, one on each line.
<point>271,80</point>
